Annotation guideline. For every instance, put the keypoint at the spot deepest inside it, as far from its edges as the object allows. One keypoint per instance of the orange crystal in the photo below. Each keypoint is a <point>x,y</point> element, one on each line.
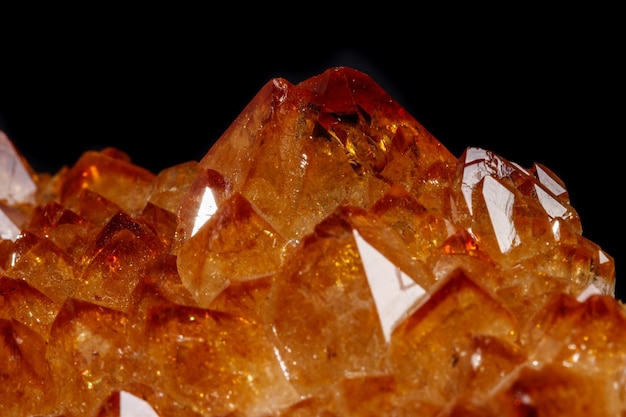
<point>327,256</point>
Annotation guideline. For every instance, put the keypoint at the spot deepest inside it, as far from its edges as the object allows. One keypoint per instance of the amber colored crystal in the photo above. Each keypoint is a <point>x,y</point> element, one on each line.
<point>326,257</point>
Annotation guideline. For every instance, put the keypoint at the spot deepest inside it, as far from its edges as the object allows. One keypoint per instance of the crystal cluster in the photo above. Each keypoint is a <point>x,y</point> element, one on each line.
<point>327,256</point>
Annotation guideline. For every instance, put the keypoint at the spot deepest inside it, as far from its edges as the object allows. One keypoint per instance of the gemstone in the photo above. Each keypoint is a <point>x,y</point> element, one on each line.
<point>327,256</point>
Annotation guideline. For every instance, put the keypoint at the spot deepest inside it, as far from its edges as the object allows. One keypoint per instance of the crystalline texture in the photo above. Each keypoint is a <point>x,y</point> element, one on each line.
<point>327,256</point>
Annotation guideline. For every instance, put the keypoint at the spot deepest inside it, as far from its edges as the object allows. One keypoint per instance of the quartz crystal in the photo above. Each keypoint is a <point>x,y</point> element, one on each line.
<point>327,256</point>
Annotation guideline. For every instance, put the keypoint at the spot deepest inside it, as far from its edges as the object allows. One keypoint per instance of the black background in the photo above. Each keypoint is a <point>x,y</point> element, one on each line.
<point>162,85</point>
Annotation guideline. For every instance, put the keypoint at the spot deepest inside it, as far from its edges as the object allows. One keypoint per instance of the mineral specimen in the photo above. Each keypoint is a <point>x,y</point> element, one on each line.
<point>327,256</point>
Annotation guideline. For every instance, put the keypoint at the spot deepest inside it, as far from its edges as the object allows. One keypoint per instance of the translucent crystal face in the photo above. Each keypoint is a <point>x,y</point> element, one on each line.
<point>327,256</point>
<point>16,182</point>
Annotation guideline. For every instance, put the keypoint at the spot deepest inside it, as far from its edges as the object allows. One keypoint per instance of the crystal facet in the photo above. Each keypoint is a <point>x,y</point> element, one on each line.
<point>327,256</point>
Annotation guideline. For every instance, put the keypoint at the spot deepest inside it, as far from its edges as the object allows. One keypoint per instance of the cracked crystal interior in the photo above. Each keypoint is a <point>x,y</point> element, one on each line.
<point>327,256</point>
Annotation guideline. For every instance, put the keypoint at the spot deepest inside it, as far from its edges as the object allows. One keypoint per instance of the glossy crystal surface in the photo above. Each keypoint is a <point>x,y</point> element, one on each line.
<point>327,256</point>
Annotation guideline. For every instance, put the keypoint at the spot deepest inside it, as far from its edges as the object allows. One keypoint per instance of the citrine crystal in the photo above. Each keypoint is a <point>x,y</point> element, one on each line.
<point>327,256</point>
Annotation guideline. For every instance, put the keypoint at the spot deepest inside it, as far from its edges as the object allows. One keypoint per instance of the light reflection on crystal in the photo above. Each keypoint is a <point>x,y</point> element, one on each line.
<point>132,406</point>
<point>281,361</point>
<point>476,359</point>
<point>473,172</point>
<point>304,161</point>
<point>394,298</point>
<point>550,204</point>
<point>499,202</point>
<point>16,183</point>
<point>546,179</point>
<point>588,292</point>
<point>8,229</point>
<point>603,257</point>
<point>208,207</point>
<point>556,230</point>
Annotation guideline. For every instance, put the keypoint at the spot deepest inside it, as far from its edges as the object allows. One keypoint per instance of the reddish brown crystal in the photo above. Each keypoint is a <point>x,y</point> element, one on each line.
<point>327,256</point>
